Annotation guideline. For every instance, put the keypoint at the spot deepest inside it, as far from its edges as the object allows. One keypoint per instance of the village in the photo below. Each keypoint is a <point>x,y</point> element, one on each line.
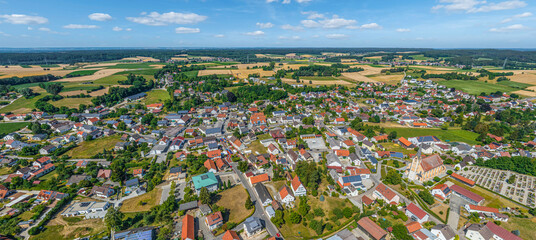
<point>373,161</point>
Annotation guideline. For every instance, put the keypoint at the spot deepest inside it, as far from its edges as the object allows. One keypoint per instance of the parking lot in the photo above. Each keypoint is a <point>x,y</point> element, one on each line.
<point>522,189</point>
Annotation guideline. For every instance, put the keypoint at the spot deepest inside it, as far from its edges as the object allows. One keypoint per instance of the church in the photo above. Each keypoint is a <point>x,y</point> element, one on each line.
<point>425,169</point>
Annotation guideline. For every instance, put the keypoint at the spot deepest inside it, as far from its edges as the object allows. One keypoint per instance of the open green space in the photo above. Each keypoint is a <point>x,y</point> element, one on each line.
<point>525,226</point>
<point>50,65</point>
<point>71,102</point>
<point>81,73</point>
<point>476,87</point>
<point>234,199</point>
<point>88,149</point>
<point>514,84</point>
<point>6,128</point>
<point>22,105</point>
<point>143,202</point>
<point>157,96</point>
<point>25,66</point>
<point>110,80</point>
<point>450,135</point>
<point>134,65</point>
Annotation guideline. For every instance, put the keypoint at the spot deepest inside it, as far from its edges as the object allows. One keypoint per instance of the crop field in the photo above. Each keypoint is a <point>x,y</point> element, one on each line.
<point>71,102</point>
<point>19,71</point>
<point>22,105</point>
<point>358,76</point>
<point>450,135</point>
<point>476,87</point>
<point>317,82</point>
<point>6,128</point>
<point>97,75</point>
<point>81,73</point>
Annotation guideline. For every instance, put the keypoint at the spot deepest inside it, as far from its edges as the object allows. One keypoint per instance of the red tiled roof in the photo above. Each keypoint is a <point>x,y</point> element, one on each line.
<point>296,183</point>
<point>230,235</point>
<point>188,227</point>
<point>471,195</point>
<point>431,162</point>
<point>463,179</point>
<point>483,209</point>
<point>259,178</point>
<point>385,191</point>
<point>501,232</point>
<point>413,226</point>
<point>416,211</point>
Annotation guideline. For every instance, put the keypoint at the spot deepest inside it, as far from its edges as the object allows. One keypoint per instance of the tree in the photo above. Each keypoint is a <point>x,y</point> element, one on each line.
<point>295,218</point>
<point>26,92</point>
<point>427,197</point>
<point>231,96</point>
<point>114,219</point>
<point>52,88</point>
<point>400,232</point>
<point>243,166</point>
<point>392,135</point>
<point>204,196</point>
<point>393,177</point>
<point>249,204</point>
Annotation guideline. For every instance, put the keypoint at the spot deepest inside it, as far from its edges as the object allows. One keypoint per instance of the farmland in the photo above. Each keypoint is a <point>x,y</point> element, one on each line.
<point>6,128</point>
<point>450,135</point>
<point>89,148</point>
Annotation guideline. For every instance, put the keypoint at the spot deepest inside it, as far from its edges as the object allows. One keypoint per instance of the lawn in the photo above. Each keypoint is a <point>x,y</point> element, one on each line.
<point>525,226</point>
<point>22,105</point>
<point>234,199</point>
<point>5,170</point>
<point>256,146</point>
<point>391,146</point>
<point>298,231</point>
<point>142,203</point>
<point>71,102</point>
<point>157,96</point>
<point>69,228</point>
<point>450,135</point>
<point>6,128</point>
<point>476,87</point>
<point>88,149</point>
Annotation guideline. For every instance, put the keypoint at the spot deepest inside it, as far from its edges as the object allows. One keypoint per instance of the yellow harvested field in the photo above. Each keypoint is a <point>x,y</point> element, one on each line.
<point>525,93</point>
<point>140,58</point>
<point>524,77</point>
<point>244,73</point>
<point>100,65</point>
<point>389,79</point>
<point>293,66</point>
<point>348,60</point>
<point>179,59</point>
<point>93,94</point>
<point>18,71</point>
<point>370,70</point>
<point>97,75</point>
<point>74,227</point>
<point>317,82</point>
<point>211,72</point>
<point>358,76</point>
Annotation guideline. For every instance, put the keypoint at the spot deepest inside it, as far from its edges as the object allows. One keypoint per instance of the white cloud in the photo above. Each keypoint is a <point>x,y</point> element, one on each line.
<point>508,28</point>
<point>30,28</point>
<point>265,25</point>
<point>128,29</point>
<point>187,30</point>
<point>117,29</point>
<point>522,15</point>
<point>290,38</point>
<point>288,1</point>
<point>291,28</point>
<point>271,1</point>
<point>403,30</point>
<point>44,29</point>
<point>313,15</point>
<point>329,23</point>
<point>157,19</point>
<point>101,17</point>
<point>4,34</point>
<point>285,2</point>
<point>472,6</point>
<point>80,26</point>
<point>23,19</point>
<point>303,1</point>
<point>506,5</point>
<point>336,36</point>
<point>255,33</point>
<point>219,36</point>
<point>371,26</point>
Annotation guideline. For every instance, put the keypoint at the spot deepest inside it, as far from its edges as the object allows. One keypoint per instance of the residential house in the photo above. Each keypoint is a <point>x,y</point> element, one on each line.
<point>214,220</point>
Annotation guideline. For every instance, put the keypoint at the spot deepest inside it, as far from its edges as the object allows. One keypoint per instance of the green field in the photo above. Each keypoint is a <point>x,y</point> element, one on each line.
<point>88,149</point>
<point>25,66</point>
<point>110,80</point>
<point>134,65</point>
<point>71,102</point>
<point>149,71</point>
<point>192,73</point>
<point>81,73</point>
<point>22,105</point>
<point>476,87</point>
<point>450,135</point>
<point>157,96</point>
<point>6,128</point>
<point>514,84</point>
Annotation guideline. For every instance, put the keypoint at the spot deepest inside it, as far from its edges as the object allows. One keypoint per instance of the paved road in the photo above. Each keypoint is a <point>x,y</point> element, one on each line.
<point>454,216</point>
<point>25,234</point>
<point>165,193</point>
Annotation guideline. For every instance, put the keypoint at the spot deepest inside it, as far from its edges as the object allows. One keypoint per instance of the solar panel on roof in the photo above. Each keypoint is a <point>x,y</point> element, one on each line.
<point>85,204</point>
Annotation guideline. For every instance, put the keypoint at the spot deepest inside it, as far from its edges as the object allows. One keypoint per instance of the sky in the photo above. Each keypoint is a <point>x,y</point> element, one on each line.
<point>268,23</point>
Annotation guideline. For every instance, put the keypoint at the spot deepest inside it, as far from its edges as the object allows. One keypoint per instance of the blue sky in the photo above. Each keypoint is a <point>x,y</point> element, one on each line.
<point>268,23</point>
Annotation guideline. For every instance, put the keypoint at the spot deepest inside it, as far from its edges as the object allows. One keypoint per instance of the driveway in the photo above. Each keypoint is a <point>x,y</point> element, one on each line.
<point>456,203</point>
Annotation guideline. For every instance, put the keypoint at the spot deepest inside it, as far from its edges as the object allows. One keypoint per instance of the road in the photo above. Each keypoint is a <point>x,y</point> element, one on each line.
<point>259,209</point>
<point>25,234</point>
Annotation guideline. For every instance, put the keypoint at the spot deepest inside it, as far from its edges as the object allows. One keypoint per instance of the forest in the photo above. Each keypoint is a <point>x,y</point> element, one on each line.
<point>31,79</point>
<point>523,165</point>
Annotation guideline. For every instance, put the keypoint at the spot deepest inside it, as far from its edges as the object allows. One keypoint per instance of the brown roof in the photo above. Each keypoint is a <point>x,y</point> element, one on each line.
<point>296,183</point>
<point>230,235</point>
<point>366,200</point>
<point>431,162</point>
<point>471,195</point>
<point>371,228</point>
<point>188,227</point>
<point>416,211</point>
<point>214,218</point>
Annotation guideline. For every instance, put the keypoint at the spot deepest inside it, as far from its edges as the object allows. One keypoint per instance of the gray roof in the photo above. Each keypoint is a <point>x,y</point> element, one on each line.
<point>252,224</point>
<point>188,206</point>
<point>264,195</point>
<point>447,232</point>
